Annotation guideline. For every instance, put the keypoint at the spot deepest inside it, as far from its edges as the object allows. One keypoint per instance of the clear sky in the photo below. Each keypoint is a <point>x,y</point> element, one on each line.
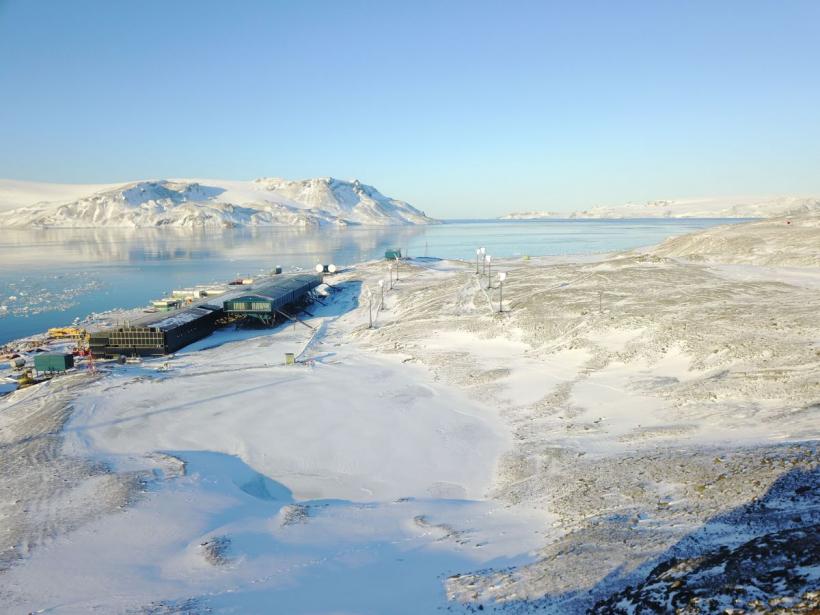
<point>465,109</point>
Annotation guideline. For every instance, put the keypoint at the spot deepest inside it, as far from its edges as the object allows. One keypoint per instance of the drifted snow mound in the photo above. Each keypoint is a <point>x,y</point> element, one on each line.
<point>209,204</point>
<point>788,242</point>
<point>712,207</point>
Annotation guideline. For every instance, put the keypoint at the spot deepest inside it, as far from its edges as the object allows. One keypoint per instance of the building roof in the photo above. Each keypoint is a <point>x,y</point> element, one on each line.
<point>163,321</point>
<point>175,319</point>
<point>278,290</point>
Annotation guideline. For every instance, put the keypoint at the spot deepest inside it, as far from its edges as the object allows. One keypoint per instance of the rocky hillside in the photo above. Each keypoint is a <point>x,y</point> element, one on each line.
<point>763,557</point>
<point>775,573</point>
<point>208,204</point>
<point>792,242</point>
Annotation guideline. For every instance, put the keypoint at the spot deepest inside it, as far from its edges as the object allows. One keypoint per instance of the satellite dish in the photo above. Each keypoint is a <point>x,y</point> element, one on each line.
<point>319,268</point>
<point>381,282</point>
<point>331,268</point>
<point>488,258</point>
<point>502,276</point>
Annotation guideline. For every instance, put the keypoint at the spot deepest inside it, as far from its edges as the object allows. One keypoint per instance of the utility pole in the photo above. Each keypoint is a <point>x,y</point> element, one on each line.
<point>502,275</point>
<point>489,261</point>
<point>381,290</point>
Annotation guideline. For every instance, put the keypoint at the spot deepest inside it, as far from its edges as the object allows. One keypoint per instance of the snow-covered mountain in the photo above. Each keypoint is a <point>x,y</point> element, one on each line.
<point>190,203</point>
<point>714,207</point>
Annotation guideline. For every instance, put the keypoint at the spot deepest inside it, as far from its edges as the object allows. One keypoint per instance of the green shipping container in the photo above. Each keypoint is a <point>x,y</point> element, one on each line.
<point>53,362</point>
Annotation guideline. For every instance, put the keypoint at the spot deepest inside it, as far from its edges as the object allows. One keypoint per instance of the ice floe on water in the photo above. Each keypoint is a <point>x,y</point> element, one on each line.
<point>37,293</point>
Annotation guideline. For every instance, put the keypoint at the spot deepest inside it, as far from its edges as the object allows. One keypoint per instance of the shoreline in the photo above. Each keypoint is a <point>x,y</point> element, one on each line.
<point>63,278</point>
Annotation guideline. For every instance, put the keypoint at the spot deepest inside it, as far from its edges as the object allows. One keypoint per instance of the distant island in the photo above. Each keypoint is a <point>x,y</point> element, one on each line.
<point>709,207</point>
<point>189,203</point>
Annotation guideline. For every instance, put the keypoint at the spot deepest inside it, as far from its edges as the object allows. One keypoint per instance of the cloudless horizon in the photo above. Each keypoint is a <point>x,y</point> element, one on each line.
<point>463,109</point>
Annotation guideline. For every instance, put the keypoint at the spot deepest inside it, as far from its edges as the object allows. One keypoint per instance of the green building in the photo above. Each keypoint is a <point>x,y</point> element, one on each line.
<point>265,301</point>
<point>50,362</point>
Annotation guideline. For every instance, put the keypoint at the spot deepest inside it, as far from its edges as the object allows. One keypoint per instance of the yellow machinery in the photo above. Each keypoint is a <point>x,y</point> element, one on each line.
<point>68,333</point>
<point>26,380</point>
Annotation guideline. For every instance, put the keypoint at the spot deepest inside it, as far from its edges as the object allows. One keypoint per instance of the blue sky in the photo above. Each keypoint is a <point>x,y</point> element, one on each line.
<point>465,109</point>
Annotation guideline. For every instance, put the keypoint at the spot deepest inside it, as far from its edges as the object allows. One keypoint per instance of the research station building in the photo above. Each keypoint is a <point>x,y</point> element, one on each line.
<point>166,332</point>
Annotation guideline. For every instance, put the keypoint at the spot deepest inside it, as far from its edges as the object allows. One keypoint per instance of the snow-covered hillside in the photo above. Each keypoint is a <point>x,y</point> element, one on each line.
<point>189,203</point>
<point>16,193</point>
<point>713,207</point>
<point>785,242</point>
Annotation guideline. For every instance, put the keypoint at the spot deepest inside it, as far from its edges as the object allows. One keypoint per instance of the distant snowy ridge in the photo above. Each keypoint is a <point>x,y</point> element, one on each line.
<point>713,207</point>
<point>536,215</point>
<point>190,203</point>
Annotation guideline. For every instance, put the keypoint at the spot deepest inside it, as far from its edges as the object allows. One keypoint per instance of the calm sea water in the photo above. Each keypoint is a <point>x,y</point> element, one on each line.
<point>50,277</point>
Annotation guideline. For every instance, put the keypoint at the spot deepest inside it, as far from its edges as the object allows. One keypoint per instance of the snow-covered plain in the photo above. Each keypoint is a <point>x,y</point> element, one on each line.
<point>195,203</point>
<point>707,207</point>
<point>621,411</point>
<point>342,484</point>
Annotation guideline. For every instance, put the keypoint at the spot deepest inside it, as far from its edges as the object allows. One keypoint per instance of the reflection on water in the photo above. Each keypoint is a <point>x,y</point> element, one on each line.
<point>70,273</point>
<point>288,245</point>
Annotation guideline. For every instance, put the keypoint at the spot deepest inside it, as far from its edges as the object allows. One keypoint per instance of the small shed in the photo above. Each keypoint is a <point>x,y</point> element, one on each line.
<point>50,362</point>
<point>167,304</point>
